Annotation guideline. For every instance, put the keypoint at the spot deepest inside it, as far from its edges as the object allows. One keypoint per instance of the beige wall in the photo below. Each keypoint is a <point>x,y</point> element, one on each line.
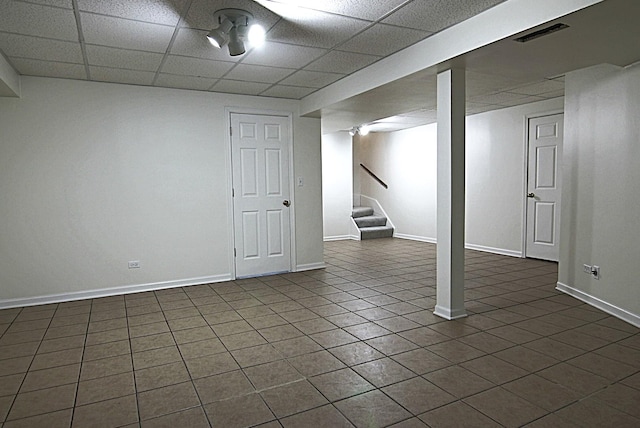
<point>93,175</point>
<point>600,200</point>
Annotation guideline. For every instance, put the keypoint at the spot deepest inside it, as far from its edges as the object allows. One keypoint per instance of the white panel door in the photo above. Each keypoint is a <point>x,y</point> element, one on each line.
<point>260,158</point>
<point>543,184</point>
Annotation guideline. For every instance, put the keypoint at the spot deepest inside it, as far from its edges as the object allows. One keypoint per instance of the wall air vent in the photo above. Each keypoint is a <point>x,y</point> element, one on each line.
<point>541,33</point>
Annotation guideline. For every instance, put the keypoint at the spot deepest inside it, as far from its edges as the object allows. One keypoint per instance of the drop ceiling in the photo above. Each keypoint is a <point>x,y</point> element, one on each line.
<point>309,48</point>
<point>163,43</point>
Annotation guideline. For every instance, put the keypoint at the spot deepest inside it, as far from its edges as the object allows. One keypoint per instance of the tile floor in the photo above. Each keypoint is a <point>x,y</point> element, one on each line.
<point>355,344</point>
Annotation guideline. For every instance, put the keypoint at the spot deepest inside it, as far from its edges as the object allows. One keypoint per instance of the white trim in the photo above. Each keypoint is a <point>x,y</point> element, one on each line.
<point>112,291</point>
<point>338,238</point>
<point>500,251</point>
<point>449,314</point>
<point>310,266</point>
<point>354,230</point>
<point>231,228</point>
<point>617,312</point>
<point>377,208</point>
<point>415,238</point>
<point>468,246</point>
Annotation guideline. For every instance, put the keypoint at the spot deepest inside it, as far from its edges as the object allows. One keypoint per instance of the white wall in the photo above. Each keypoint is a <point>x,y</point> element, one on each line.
<point>93,175</point>
<point>600,200</point>
<point>406,161</point>
<point>337,177</point>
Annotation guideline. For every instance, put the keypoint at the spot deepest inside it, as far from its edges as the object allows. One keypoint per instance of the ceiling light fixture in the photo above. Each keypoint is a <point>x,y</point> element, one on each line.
<point>361,130</point>
<point>234,27</point>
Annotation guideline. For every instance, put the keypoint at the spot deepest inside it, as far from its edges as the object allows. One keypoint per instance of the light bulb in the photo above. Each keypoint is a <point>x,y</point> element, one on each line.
<point>256,35</point>
<point>364,130</point>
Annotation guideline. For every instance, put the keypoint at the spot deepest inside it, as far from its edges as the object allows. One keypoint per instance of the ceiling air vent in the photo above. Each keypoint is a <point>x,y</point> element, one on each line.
<point>541,33</point>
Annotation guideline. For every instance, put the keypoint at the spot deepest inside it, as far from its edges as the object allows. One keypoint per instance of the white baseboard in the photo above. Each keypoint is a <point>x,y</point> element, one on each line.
<point>467,246</point>
<point>617,312</point>
<point>105,292</point>
<point>414,238</point>
<point>310,266</point>
<point>449,314</point>
<point>337,238</point>
<point>493,250</point>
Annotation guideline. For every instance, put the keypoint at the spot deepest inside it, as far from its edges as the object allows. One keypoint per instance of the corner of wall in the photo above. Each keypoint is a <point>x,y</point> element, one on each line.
<point>9,80</point>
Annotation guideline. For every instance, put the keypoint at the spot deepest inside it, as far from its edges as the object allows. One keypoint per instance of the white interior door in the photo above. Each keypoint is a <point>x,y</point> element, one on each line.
<point>260,158</point>
<point>543,187</point>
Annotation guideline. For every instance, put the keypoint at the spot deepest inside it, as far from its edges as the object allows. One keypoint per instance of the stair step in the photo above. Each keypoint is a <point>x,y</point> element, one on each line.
<point>376,232</point>
<point>361,212</point>
<point>371,221</point>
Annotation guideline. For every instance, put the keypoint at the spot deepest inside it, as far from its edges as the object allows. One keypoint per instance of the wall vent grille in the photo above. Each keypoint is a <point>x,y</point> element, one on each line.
<point>541,33</point>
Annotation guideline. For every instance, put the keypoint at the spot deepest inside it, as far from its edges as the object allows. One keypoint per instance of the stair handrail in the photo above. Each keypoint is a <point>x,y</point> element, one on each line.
<point>375,177</point>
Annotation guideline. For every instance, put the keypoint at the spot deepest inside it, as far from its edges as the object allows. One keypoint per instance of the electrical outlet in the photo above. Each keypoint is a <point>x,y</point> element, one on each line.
<point>595,272</point>
<point>134,264</point>
<point>586,268</point>
<point>300,182</point>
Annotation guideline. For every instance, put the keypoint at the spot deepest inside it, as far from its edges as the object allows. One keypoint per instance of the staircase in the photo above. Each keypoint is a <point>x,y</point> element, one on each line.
<point>371,226</point>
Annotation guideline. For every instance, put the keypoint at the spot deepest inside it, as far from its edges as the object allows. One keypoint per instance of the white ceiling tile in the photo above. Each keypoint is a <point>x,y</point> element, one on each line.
<point>311,79</point>
<point>281,91</point>
<point>500,98</point>
<point>38,20</point>
<point>258,73</point>
<point>482,83</point>
<point>539,88</point>
<point>122,58</point>
<point>39,48</point>
<point>553,94</point>
<point>342,62</point>
<point>188,66</point>
<point>67,4</point>
<point>32,67</point>
<point>520,101</point>
<point>474,108</point>
<point>157,11</point>
<point>200,15</point>
<point>382,40</point>
<point>194,43</point>
<point>131,77</point>
<point>371,9</point>
<point>322,30</point>
<point>184,82</point>
<point>282,55</point>
<point>239,87</point>
<point>124,33</point>
<point>435,15</point>
<point>402,118</point>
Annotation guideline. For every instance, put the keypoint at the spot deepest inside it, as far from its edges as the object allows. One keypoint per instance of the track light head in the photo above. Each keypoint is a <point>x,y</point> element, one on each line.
<point>236,46</point>
<point>234,29</point>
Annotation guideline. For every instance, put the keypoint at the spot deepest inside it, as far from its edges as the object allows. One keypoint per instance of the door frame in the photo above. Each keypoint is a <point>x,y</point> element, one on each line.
<point>228,111</point>
<point>525,179</point>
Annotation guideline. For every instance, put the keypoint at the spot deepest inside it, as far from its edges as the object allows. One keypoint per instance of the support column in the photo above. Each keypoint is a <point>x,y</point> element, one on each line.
<point>451,195</point>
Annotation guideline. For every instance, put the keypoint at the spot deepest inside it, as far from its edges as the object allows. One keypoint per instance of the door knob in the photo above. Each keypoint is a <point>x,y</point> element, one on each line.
<point>286,203</point>
<point>531,195</point>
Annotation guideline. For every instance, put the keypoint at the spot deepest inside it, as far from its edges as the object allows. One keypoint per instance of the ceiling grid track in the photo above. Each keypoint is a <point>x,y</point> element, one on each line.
<point>171,42</point>
<point>76,14</point>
